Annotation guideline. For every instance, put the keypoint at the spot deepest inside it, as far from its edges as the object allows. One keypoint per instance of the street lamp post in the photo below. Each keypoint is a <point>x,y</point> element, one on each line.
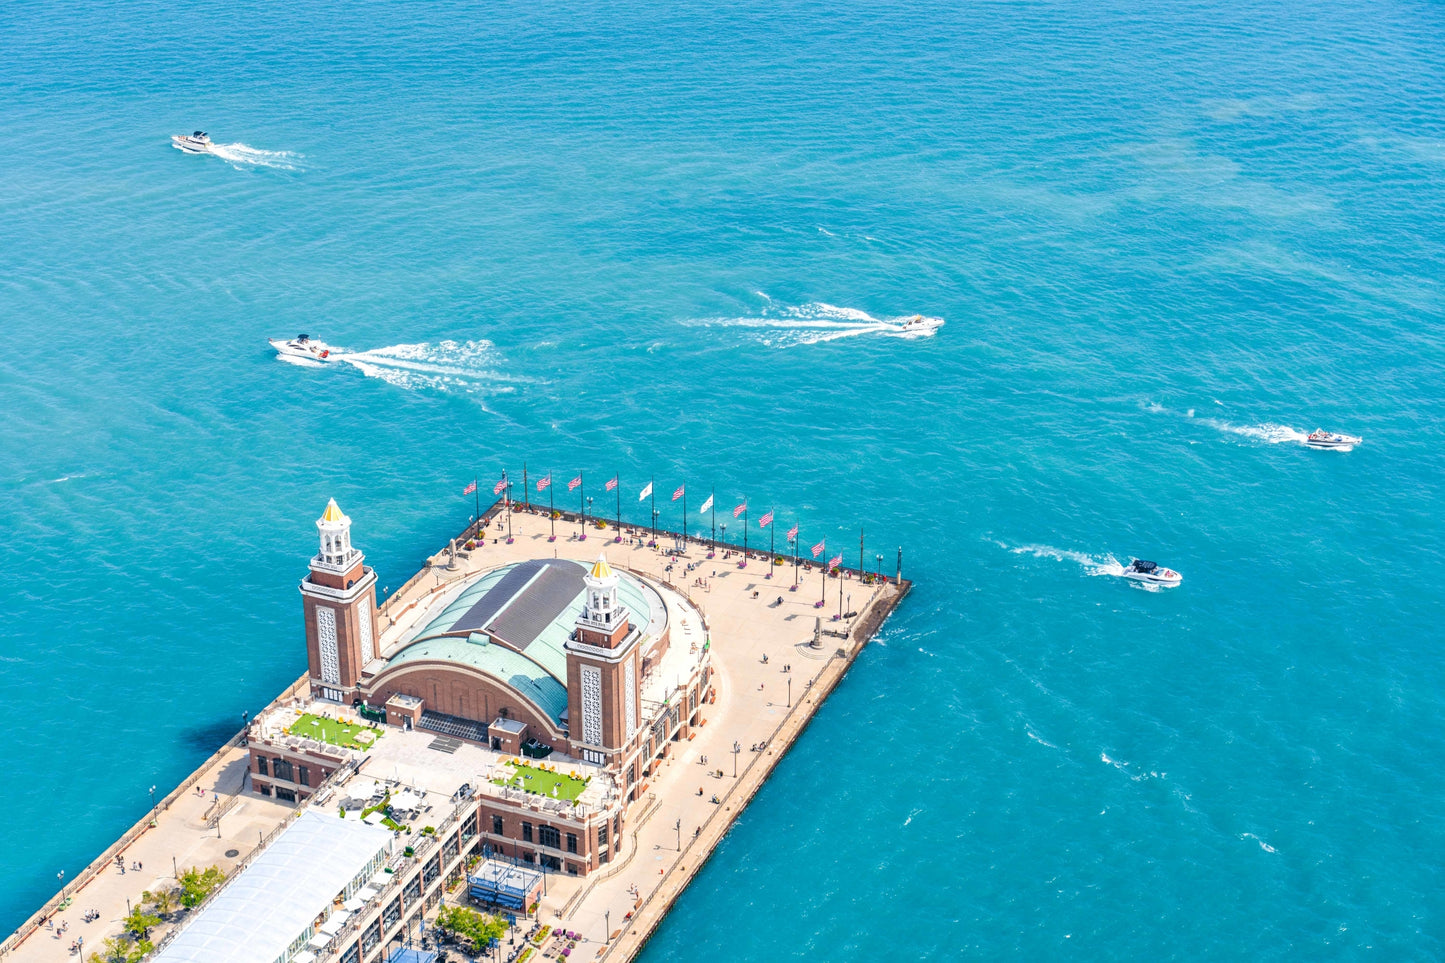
<point>655,513</point>
<point>607,918</point>
<point>724,527</point>
<point>737,748</point>
<point>878,571</point>
<point>790,692</point>
<point>583,536</point>
<point>153,803</point>
<point>678,826</point>
<point>509,513</point>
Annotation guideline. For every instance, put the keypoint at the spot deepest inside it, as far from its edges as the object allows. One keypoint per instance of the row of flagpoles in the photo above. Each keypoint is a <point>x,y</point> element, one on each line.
<point>544,484</point>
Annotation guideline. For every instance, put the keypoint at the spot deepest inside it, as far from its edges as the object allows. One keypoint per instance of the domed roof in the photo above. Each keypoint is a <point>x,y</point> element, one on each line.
<point>600,568</point>
<point>333,512</point>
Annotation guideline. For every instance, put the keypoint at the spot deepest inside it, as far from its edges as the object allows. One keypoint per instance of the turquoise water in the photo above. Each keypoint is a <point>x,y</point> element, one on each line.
<point>674,239</point>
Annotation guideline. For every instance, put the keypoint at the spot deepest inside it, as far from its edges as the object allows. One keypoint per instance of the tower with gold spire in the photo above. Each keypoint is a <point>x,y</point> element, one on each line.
<point>339,598</point>
<point>603,677</point>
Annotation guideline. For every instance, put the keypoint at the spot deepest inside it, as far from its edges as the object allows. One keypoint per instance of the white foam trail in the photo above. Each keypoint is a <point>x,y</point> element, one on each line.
<point>242,156</point>
<point>1039,739</point>
<point>1268,431</point>
<point>1092,564</point>
<point>818,322</point>
<point>465,366</point>
<point>1262,844</point>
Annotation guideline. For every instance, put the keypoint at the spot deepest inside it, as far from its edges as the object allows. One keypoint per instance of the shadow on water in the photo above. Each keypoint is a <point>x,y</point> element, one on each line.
<point>210,736</point>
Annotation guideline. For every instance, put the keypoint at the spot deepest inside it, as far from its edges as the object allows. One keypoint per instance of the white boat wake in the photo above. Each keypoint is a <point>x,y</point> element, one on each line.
<point>241,156</point>
<point>1091,564</point>
<point>816,323</point>
<point>1105,564</point>
<point>462,366</point>
<point>1267,432</point>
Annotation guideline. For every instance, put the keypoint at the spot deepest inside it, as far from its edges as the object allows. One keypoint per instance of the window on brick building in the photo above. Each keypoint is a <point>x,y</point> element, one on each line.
<point>497,827</point>
<point>602,834</point>
<point>549,837</point>
<point>526,832</point>
<point>281,769</point>
<point>303,775</point>
<point>261,765</point>
<point>572,844</point>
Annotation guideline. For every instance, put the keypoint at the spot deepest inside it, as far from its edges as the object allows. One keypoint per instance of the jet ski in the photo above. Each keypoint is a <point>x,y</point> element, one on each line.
<point>1319,438</point>
<point>302,346</point>
<point>918,324</point>
<point>1151,573</point>
<point>197,143</point>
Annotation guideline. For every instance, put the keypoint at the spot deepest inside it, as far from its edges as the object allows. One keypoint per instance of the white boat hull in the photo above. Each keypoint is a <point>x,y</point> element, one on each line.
<point>1332,444</point>
<point>1154,580</point>
<point>312,350</point>
<point>190,145</point>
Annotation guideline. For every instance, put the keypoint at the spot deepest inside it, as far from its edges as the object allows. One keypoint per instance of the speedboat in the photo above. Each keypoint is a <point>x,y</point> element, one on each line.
<point>197,143</point>
<point>918,324</point>
<point>1151,573</point>
<point>302,346</point>
<point>1319,438</point>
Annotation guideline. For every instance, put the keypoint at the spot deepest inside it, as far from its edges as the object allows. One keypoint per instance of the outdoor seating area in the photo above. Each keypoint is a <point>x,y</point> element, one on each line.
<point>543,781</point>
<point>348,735</point>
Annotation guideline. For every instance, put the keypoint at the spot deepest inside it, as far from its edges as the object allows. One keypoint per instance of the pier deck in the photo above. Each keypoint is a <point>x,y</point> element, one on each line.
<point>770,679</point>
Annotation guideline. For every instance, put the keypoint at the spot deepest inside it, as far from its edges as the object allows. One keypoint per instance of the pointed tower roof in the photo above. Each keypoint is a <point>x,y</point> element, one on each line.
<point>333,512</point>
<point>600,568</point>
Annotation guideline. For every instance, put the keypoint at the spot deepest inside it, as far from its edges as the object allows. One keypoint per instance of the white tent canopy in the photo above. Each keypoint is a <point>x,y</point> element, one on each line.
<point>405,801</point>
<point>261,912</point>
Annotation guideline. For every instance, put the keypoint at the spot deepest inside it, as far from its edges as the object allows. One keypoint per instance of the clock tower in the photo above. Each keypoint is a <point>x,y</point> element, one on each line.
<point>339,599</point>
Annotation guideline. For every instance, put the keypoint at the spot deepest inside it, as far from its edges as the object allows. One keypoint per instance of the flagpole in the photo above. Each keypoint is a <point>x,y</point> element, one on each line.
<point>618,488</point>
<point>652,490</point>
<point>712,543</point>
<point>551,508</point>
<point>860,551</point>
<point>684,518</point>
<point>581,508</point>
<point>744,562</point>
<point>526,503</point>
<point>772,541</point>
<point>795,561</point>
<point>477,493</point>
<point>508,491</point>
<point>823,571</point>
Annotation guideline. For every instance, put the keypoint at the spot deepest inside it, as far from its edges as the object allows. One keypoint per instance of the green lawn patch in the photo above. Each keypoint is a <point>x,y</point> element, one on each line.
<point>344,734</point>
<point>543,781</point>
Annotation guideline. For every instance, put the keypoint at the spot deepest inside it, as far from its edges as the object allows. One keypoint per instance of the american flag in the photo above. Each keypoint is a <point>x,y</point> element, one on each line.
<point>678,494</point>
<point>818,549</point>
<point>836,560</point>
<point>612,484</point>
<point>766,520</point>
<point>544,482</point>
<point>470,488</point>
<point>574,483</point>
<point>793,533</point>
<point>500,486</point>
<point>740,509</point>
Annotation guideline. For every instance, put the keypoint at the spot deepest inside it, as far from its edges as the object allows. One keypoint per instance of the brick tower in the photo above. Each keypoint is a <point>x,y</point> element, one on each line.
<point>602,673</point>
<point>339,596</point>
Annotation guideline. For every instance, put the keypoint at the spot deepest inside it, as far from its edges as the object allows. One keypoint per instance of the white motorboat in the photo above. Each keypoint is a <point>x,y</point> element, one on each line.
<point>1151,573</point>
<point>1319,438</point>
<point>918,324</point>
<point>303,346</point>
<point>197,143</point>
